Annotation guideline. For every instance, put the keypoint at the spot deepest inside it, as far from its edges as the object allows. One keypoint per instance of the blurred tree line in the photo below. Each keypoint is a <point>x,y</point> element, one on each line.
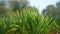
<point>53,11</point>
<point>6,6</point>
<point>14,5</point>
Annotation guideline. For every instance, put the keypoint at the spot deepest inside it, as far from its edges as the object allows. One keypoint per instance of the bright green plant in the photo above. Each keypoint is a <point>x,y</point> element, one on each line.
<point>27,22</point>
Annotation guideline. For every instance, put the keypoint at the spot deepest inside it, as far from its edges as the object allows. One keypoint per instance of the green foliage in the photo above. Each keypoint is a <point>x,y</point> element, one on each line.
<point>27,21</point>
<point>53,11</point>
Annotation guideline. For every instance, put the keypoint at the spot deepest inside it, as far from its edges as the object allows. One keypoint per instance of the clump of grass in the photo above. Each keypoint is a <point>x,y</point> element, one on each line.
<point>26,22</point>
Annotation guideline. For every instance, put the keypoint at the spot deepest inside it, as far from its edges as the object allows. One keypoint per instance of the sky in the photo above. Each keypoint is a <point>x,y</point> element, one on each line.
<point>41,4</point>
